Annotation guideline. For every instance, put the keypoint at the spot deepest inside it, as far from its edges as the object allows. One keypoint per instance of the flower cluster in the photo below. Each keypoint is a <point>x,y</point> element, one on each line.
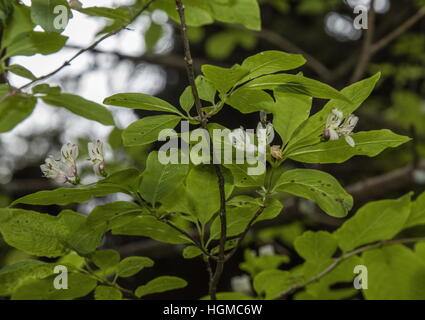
<point>336,126</point>
<point>65,169</point>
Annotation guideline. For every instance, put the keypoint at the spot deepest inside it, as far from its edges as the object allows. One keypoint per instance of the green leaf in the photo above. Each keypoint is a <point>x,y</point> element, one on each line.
<point>239,217</point>
<point>249,100</point>
<point>291,83</point>
<point>140,101</point>
<point>417,214</point>
<point>271,62</point>
<point>313,128</point>
<point>30,43</point>
<point>14,110</point>
<point>241,176</point>
<point>255,264</point>
<point>119,15</point>
<point>160,284</point>
<point>33,232</point>
<point>105,259</point>
<point>394,273</point>
<point>147,129</point>
<point>43,13</point>
<point>21,71</point>
<point>46,235</point>
<point>316,246</point>
<point>223,79</point>
<point>186,99</point>
<point>203,191</point>
<point>63,196</point>
<point>79,285</point>
<point>245,12</point>
<point>198,13</point>
<point>159,179</point>
<point>368,143</point>
<point>191,252</point>
<point>121,181</point>
<point>19,21</point>
<point>107,293</point>
<point>149,226</point>
<point>230,296</point>
<point>289,112</point>
<point>45,88</point>
<point>378,220</point>
<point>319,187</point>
<point>271,283</point>
<point>205,89</point>
<point>15,275</point>
<point>82,107</point>
<point>324,288</point>
<point>152,35</point>
<point>104,216</point>
<point>131,265</point>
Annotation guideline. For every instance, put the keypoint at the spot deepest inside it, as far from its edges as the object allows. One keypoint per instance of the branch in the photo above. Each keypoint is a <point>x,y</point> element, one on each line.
<point>245,232</point>
<point>366,52</point>
<point>168,60</point>
<point>345,256</point>
<point>14,91</point>
<point>398,31</point>
<point>203,120</point>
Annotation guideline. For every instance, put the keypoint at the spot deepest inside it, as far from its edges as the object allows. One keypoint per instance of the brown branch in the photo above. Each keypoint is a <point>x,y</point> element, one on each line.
<point>345,256</point>
<point>398,31</point>
<point>168,60</point>
<point>204,120</point>
<point>14,91</point>
<point>366,52</point>
<point>245,232</point>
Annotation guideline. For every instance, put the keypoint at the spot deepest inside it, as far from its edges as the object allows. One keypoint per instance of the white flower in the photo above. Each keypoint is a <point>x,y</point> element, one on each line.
<point>75,4</point>
<point>241,141</point>
<point>347,128</point>
<point>267,250</point>
<point>265,132</point>
<point>97,157</point>
<point>69,154</point>
<point>52,170</point>
<point>65,169</point>
<point>241,284</point>
<point>332,124</point>
<point>334,129</point>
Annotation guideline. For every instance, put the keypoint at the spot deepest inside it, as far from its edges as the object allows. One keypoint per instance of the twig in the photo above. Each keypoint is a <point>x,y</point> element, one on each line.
<point>14,91</point>
<point>189,63</point>
<point>203,120</point>
<point>398,31</point>
<point>345,256</point>
<point>365,54</point>
<point>245,232</point>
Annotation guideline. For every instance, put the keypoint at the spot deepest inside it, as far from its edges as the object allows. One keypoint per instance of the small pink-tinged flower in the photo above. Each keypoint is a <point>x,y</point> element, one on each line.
<point>97,157</point>
<point>334,129</point>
